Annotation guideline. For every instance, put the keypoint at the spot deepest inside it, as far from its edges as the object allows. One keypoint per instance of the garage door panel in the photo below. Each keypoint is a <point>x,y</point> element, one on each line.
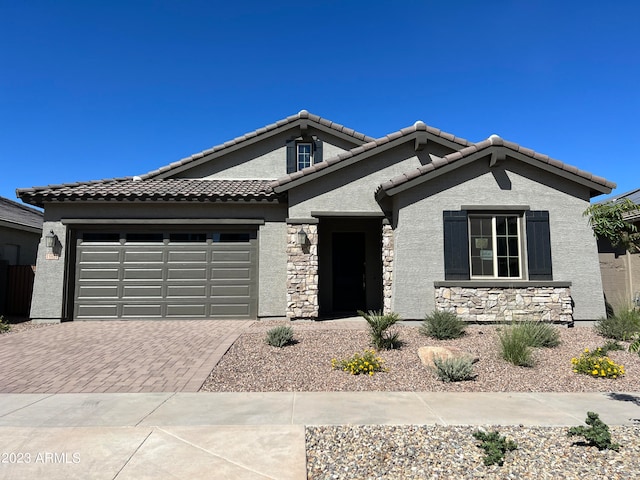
<point>99,256</point>
<point>137,291</point>
<point>187,273</point>
<point>177,291</point>
<point>205,276</point>
<point>99,274</point>
<point>142,273</point>
<point>137,256</point>
<point>230,291</point>
<point>97,311</point>
<point>190,310</point>
<point>230,273</point>
<point>187,256</point>
<point>231,256</point>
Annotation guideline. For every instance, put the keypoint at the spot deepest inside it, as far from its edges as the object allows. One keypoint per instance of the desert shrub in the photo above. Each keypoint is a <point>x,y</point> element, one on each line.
<point>515,347</point>
<point>596,364</point>
<point>381,338</point>
<point>453,369</point>
<point>443,325</point>
<point>280,336</point>
<point>610,347</point>
<point>538,334</point>
<point>597,434</point>
<point>494,446</point>
<point>366,363</point>
<point>4,325</point>
<point>624,325</point>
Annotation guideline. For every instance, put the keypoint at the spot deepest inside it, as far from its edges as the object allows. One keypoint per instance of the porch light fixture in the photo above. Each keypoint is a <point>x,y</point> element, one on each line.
<point>50,239</point>
<point>302,237</point>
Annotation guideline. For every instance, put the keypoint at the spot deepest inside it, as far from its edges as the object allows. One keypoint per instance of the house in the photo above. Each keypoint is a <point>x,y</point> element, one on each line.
<point>306,218</point>
<point>20,232</point>
<point>620,269</point>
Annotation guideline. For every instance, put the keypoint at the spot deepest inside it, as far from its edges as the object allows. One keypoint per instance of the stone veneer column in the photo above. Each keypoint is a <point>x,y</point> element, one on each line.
<point>387,267</point>
<point>302,273</point>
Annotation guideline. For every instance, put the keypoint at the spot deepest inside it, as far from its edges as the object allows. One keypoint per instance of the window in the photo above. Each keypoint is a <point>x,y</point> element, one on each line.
<point>492,246</point>
<point>495,246</point>
<point>304,155</point>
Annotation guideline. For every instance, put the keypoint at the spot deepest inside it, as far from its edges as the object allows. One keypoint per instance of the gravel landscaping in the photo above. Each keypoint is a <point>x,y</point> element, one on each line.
<point>251,365</point>
<point>432,451</point>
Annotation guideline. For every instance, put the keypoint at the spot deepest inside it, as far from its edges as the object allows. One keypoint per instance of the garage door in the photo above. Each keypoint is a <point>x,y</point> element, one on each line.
<point>153,275</point>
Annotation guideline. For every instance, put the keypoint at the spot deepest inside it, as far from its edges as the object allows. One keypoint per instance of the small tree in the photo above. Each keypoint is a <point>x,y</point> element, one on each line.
<point>608,221</point>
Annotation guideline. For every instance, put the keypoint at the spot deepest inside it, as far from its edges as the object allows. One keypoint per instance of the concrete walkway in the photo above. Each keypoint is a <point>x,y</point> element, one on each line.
<point>243,435</point>
<point>115,356</point>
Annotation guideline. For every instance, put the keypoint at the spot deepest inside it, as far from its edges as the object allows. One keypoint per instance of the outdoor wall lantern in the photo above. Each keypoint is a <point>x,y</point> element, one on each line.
<point>50,239</point>
<point>302,237</point>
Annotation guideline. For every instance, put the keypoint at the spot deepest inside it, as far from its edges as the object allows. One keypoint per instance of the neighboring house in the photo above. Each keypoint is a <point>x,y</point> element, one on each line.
<point>306,218</point>
<point>620,269</point>
<point>20,232</point>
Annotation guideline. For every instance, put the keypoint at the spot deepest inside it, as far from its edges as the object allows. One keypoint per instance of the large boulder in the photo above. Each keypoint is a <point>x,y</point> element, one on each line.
<point>427,354</point>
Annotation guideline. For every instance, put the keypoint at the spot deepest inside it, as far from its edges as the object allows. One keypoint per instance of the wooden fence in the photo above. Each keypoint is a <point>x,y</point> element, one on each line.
<point>19,289</point>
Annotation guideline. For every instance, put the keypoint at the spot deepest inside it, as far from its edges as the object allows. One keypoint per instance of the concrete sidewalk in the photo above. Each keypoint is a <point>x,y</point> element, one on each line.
<point>243,435</point>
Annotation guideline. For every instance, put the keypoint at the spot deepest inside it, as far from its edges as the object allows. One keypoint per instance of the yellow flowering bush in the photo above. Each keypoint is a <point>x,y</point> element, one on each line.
<point>366,363</point>
<point>596,364</point>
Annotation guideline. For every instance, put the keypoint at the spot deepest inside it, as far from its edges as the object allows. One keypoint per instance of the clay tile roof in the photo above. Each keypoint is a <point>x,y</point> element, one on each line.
<point>134,188</point>
<point>16,213</point>
<point>303,114</point>
<point>492,141</point>
<point>354,152</point>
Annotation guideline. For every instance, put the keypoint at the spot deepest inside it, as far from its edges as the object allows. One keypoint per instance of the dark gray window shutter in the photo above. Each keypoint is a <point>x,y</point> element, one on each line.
<point>456,245</point>
<point>292,161</point>
<point>317,150</point>
<point>538,245</point>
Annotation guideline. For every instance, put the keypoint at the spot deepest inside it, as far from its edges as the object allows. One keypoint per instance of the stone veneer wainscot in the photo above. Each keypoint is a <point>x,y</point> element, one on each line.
<point>506,304</point>
<point>302,273</point>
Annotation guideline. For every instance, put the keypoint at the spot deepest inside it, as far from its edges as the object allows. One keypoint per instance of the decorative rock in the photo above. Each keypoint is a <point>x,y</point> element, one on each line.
<point>427,354</point>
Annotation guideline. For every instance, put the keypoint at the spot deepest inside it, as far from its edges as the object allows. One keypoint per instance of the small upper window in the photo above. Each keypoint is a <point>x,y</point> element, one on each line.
<point>495,246</point>
<point>304,155</point>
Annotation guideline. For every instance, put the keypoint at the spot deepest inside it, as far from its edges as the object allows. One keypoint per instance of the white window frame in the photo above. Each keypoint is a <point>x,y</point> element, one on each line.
<point>298,153</point>
<point>494,245</point>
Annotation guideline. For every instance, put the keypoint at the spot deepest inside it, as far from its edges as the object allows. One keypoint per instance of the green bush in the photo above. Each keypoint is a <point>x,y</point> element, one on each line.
<point>624,325</point>
<point>494,446</point>
<point>443,326</point>
<point>379,324</point>
<point>366,363</point>
<point>515,347</point>
<point>538,334</point>
<point>597,364</point>
<point>453,369</point>
<point>280,336</point>
<point>597,434</point>
<point>4,325</point>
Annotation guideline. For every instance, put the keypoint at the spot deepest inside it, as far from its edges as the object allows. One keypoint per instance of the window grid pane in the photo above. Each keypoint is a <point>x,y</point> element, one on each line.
<point>494,246</point>
<point>304,155</point>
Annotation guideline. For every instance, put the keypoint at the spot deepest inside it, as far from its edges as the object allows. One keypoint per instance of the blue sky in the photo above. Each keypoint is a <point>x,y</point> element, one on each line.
<point>100,89</point>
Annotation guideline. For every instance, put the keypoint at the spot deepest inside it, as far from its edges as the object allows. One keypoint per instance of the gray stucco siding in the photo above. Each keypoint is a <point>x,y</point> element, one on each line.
<point>351,188</point>
<point>266,160</point>
<point>419,228</point>
<point>26,241</point>
<point>272,270</point>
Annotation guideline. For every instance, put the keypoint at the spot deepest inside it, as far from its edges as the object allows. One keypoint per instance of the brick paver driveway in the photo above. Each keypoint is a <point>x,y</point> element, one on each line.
<point>115,356</point>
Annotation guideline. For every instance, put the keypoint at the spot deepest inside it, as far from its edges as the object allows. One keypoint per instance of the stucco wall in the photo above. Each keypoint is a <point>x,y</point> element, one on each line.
<point>352,188</point>
<point>419,259</point>
<point>49,285</point>
<point>263,160</point>
<point>27,243</point>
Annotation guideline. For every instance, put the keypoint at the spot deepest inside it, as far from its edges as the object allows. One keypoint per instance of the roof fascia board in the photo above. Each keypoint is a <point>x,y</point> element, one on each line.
<point>162,221</point>
<point>19,226</point>
<point>435,173</point>
<point>302,124</point>
<point>346,162</point>
<point>558,171</point>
